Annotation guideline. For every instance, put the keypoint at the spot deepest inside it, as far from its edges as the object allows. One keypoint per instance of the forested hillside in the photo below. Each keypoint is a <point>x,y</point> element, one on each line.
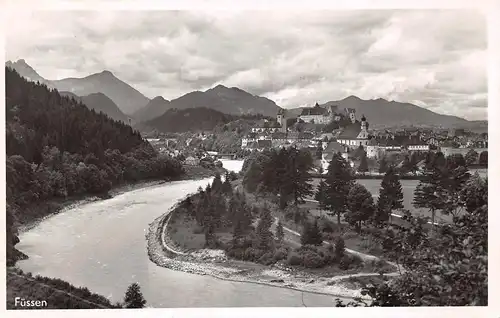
<point>58,148</point>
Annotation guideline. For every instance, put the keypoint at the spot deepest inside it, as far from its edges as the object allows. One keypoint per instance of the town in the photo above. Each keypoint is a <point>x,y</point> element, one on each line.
<point>327,131</point>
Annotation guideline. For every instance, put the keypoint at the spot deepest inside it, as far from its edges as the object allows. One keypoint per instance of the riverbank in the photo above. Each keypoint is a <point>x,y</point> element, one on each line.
<point>52,207</point>
<point>163,252</point>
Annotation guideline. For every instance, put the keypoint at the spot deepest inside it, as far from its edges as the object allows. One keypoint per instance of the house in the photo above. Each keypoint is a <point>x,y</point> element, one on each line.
<point>318,114</point>
<point>192,161</point>
<point>332,148</point>
<point>355,135</point>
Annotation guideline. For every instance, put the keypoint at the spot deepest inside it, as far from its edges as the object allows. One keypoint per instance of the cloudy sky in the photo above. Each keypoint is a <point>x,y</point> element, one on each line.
<point>433,58</point>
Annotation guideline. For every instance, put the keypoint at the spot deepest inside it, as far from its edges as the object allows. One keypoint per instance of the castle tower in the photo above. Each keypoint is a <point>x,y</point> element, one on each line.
<point>351,113</point>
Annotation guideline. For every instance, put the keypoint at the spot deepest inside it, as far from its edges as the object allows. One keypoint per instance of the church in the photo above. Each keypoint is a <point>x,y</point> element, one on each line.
<point>356,134</point>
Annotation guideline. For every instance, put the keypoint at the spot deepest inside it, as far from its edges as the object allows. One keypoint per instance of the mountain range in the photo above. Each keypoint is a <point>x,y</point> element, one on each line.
<point>232,101</point>
<point>122,94</point>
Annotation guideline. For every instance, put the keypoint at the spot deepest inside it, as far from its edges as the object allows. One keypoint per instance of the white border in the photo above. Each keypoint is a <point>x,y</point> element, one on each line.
<point>491,7</point>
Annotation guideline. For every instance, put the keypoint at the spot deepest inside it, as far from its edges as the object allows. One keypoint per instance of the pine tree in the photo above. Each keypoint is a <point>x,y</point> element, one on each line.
<point>428,193</point>
<point>264,235</point>
<point>339,247</point>
<point>311,234</point>
<point>226,186</point>
<point>390,197</point>
<point>339,181</point>
<point>363,164</point>
<point>321,194</point>
<point>383,165</point>
<point>280,233</point>
<point>471,157</point>
<point>133,297</point>
<point>360,204</point>
<point>483,158</point>
<point>217,183</point>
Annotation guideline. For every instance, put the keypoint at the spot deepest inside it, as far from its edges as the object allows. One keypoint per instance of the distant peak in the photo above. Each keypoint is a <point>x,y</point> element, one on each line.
<point>21,61</point>
<point>353,97</point>
<point>106,72</point>
<point>159,98</point>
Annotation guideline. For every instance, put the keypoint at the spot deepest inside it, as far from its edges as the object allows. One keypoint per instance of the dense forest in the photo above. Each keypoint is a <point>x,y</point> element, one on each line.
<point>58,148</point>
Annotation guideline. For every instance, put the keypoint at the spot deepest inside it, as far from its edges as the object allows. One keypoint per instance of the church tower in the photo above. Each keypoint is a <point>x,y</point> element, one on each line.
<point>364,123</point>
<point>281,119</point>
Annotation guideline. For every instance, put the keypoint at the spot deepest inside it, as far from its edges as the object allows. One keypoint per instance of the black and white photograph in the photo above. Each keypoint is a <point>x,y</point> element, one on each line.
<point>246,158</point>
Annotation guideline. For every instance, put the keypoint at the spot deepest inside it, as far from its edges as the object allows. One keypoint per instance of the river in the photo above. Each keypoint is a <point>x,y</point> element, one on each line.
<point>101,245</point>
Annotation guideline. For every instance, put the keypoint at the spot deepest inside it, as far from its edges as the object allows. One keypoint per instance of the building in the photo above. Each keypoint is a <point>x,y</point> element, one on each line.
<point>318,114</point>
<point>355,135</point>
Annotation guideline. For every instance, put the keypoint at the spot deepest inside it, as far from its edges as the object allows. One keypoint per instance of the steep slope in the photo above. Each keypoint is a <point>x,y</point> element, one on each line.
<point>156,107</point>
<point>125,96</point>
<point>381,112</point>
<point>227,100</point>
<point>28,72</point>
<point>190,119</point>
<point>100,103</point>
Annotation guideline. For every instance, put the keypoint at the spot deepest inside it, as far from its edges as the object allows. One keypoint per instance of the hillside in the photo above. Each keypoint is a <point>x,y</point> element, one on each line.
<point>122,94</point>
<point>100,103</point>
<point>190,119</point>
<point>227,100</point>
<point>58,149</point>
<point>155,108</point>
<point>125,96</point>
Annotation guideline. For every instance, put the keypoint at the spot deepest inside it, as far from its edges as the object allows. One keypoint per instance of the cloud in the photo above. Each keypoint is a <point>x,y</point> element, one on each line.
<point>433,58</point>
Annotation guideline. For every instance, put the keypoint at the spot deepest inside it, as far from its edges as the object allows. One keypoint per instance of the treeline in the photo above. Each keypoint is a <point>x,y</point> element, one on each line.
<point>284,172</point>
<point>57,148</point>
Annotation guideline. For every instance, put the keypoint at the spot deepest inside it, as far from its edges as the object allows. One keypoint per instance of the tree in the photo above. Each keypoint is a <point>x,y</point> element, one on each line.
<point>321,194</point>
<point>360,206</point>
<point>319,151</point>
<point>339,250</point>
<point>311,234</point>
<point>427,194</point>
<point>263,231</point>
<point>471,157</point>
<point>474,194</point>
<point>363,164</point>
<point>133,297</point>
<point>390,197</point>
<point>483,158</point>
<point>338,181</point>
<point>226,186</point>
<point>383,165</point>
<point>280,233</point>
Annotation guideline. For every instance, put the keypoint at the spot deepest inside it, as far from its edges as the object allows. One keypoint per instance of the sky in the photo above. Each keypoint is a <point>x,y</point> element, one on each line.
<point>435,59</point>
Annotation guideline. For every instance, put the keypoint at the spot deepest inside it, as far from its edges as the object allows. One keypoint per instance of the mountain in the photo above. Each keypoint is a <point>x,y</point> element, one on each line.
<point>381,112</point>
<point>100,103</point>
<point>227,100</point>
<point>156,107</point>
<point>125,96</point>
<point>122,94</point>
<point>190,119</point>
<point>28,72</point>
